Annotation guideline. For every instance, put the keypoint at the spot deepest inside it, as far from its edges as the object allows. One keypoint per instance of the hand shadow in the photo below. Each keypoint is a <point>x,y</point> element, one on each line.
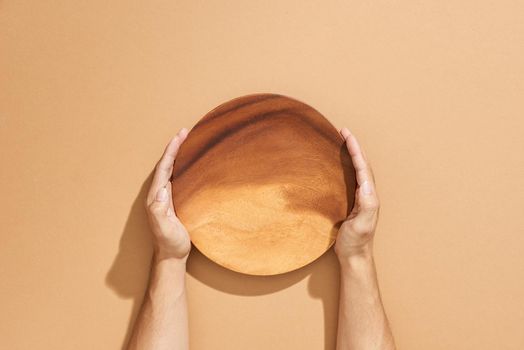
<point>128,275</point>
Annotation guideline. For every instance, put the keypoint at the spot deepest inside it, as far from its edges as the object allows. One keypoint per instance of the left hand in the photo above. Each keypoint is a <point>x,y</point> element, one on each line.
<point>170,237</point>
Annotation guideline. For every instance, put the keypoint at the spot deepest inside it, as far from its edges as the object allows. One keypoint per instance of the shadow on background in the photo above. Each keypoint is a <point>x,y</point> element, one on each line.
<point>129,273</point>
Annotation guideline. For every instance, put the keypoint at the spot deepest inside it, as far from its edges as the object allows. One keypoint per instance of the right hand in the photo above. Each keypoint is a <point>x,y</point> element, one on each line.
<point>355,235</point>
<point>170,238</point>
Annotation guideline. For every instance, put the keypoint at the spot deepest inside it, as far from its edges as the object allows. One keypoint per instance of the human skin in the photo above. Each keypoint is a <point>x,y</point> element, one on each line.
<point>162,321</point>
<point>362,321</point>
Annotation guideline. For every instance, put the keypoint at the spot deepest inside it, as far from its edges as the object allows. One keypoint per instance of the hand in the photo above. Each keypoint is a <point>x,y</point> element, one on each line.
<point>170,238</point>
<point>355,235</point>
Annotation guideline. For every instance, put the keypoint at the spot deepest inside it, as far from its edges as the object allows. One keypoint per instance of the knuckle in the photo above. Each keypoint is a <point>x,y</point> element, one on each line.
<point>360,227</point>
<point>364,228</point>
<point>155,208</point>
<point>371,205</point>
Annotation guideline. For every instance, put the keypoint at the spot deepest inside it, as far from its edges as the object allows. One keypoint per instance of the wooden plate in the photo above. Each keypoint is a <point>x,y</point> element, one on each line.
<point>262,184</point>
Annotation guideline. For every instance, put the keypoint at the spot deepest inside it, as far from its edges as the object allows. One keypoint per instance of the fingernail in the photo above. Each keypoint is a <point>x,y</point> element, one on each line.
<point>183,132</point>
<point>161,196</point>
<point>170,212</point>
<point>366,188</point>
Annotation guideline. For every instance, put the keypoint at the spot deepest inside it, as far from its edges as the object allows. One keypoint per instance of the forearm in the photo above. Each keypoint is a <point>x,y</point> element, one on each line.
<point>162,321</point>
<point>362,322</point>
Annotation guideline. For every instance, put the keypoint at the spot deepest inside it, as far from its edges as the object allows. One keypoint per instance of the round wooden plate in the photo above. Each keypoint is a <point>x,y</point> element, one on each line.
<point>262,184</point>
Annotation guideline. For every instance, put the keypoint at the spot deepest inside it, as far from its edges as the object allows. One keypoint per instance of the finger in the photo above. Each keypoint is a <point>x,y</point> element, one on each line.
<point>354,210</point>
<point>171,209</point>
<point>168,157</point>
<point>164,167</point>
<point>367,197</point>
<point>158,209</point>
<point>362,169</point>
<point>162,216</point>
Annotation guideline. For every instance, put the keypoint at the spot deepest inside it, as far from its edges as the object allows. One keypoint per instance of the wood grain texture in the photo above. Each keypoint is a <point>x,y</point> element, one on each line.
<point>262,183</point>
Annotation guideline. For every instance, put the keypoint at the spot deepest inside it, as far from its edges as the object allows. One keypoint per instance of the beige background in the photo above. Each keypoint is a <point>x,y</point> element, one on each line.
<point>90,91</point>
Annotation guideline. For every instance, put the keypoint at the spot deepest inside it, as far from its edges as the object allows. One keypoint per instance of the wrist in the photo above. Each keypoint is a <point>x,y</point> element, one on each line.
<point>356,259</point>
<point>347,250</point>
<point>168,276</point>
<point>161,252</point>
<point>169,263</point>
